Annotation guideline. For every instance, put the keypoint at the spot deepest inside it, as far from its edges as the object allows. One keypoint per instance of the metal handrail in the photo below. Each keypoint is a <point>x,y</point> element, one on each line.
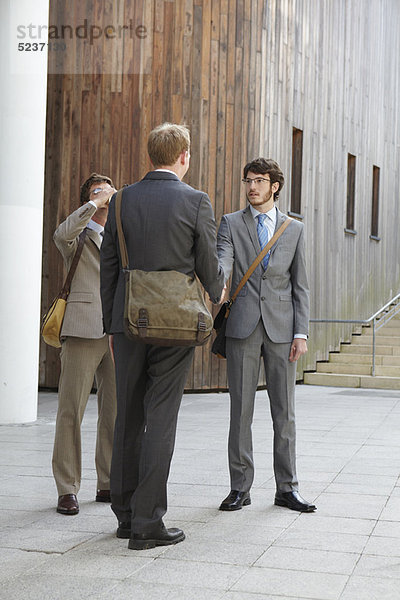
<point>373,319</point>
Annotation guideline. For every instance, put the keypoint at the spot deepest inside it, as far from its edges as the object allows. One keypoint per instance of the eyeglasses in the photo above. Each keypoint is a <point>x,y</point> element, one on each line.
<point>256,180</point>
<point>97,191</point>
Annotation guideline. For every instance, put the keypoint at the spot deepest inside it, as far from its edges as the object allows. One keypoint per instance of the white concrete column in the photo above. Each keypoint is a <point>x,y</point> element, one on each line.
<point>23,75</point>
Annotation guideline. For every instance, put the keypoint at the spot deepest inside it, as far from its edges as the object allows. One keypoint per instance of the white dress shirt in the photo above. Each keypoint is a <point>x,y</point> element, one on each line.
<point>95,226</point>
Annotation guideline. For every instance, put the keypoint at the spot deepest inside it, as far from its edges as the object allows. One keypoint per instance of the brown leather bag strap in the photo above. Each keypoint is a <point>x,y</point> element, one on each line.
<point>257,261</point>
<point>67,285</point>
<point>121,238</point>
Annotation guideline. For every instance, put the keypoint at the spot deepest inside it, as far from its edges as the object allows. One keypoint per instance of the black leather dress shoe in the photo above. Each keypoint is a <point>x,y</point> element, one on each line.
<point>235,501</point>
<point>294,501</point>
<point>124,530</point>
<point>68,504</point>
<point>160,537</point>
<point>103,496</point>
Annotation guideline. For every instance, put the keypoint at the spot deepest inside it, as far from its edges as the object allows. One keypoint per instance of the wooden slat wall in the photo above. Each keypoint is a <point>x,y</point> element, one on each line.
<point>335,74</point>
<point>241,74</point>
<point>195,68</point>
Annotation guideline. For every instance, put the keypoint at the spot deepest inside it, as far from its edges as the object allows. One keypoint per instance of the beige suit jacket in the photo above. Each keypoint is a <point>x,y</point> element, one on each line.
<point>83,314</point>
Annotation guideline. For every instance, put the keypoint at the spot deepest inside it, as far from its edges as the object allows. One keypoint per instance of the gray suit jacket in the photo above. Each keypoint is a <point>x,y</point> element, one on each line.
<point>168,226</point>
<point>279,295</point>
<point>83,315</point>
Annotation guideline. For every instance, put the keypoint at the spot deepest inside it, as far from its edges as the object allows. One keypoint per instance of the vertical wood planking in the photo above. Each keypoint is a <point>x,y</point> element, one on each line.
<point>241,74</point>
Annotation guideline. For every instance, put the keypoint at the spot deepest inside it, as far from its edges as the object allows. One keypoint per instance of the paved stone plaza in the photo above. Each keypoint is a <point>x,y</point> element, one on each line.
<point>348,463</point>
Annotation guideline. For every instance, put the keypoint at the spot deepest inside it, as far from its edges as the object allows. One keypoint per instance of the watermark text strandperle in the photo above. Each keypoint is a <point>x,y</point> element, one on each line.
<point>81,32</point>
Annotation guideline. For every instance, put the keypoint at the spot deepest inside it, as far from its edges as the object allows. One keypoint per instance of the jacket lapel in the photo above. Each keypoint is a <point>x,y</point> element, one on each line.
<point>280,218</point>
<point>95,237</point>
<point>251,227</point>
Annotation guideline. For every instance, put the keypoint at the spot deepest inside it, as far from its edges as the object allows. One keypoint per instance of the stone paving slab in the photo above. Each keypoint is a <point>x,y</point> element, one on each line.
<point>245,596</point>
<point>130,589</point>
<point>41,540</point>
<point>381,566</point>
<point>30,586</point>
<point>15,562</point>
<point>348,464</point>
<point>371,588</point>
<point>327,525</point>
<point>284,581</point>
<point>319,561</point>
<point>387,529</point>
<point>319,540</point>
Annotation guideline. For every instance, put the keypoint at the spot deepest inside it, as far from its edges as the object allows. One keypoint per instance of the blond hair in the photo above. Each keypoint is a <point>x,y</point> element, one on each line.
<point>166,142</point>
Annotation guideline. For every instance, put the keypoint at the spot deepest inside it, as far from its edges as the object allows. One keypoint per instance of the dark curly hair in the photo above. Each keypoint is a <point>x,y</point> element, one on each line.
<point>94,178</point>
<point>265,166</point>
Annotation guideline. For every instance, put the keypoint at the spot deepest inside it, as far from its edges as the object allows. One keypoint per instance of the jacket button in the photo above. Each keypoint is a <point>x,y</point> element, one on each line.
<point>262,297</point>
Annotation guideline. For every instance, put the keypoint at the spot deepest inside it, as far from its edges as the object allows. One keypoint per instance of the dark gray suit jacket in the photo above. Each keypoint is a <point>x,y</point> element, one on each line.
<point>279,295</point>
<point>168,226</point>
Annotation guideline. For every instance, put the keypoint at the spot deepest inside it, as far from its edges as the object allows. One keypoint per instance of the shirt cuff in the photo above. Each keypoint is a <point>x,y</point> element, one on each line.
<point>300,336</point>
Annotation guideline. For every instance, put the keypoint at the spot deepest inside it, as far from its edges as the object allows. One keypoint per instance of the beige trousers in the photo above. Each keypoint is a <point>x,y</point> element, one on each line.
<point>82,361</point>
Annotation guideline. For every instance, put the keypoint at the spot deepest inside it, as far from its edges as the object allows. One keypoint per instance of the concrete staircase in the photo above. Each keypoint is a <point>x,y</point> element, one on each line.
<point>352,366</point>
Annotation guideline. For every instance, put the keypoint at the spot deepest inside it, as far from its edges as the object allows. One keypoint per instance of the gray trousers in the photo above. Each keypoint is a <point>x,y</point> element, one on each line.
<point>150,384</point>
<point>243,365</point>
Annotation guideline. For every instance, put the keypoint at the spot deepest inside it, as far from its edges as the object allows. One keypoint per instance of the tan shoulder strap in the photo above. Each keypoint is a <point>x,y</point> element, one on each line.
<point>257,260</point>
<point>67,285</point>
<point>121,237</point>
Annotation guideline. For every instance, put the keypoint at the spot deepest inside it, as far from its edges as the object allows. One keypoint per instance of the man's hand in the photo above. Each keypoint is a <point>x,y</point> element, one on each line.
<point>224,295</point>
<point>102,195</point>
<point>111,346</point>
<point>298,348</point>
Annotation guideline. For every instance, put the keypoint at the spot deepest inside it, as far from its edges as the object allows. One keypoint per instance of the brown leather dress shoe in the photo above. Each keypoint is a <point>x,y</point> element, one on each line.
<point>68,504</point>
<point>103,496</point>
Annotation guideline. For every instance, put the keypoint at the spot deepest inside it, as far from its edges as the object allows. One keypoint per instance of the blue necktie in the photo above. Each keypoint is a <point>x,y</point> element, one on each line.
<point>262,232</point>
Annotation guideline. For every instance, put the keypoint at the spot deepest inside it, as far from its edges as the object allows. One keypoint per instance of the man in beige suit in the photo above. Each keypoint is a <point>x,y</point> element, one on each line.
<point>85,353</point>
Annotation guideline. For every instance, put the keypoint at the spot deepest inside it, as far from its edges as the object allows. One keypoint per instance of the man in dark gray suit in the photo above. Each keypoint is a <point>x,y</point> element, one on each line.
<point>270,319</point>
<point>168,225</point>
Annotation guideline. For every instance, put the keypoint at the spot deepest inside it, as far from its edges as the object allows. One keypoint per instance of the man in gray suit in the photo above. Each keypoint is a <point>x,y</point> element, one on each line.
<point>168,225</point>
<point>85,353</point>
<point>270,319</point>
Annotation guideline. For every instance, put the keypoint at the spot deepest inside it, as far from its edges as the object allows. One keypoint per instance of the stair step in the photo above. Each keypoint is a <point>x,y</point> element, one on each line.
<point>353,381</point>
<point>391,371</point>
<point>354,359</point>
<point>332,379</point>
<point>367,349</point>
<point>352,366</point>
<point>394,322</point>
<point>351,369</point>
<point>357,369</point>
<point>390,361</point>
<point>380,340</point>
<point>364,359</point>
<point>385,331</point>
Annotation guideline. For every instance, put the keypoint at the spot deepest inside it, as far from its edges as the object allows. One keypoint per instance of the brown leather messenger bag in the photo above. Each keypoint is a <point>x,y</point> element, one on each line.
<point>164,308</point>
